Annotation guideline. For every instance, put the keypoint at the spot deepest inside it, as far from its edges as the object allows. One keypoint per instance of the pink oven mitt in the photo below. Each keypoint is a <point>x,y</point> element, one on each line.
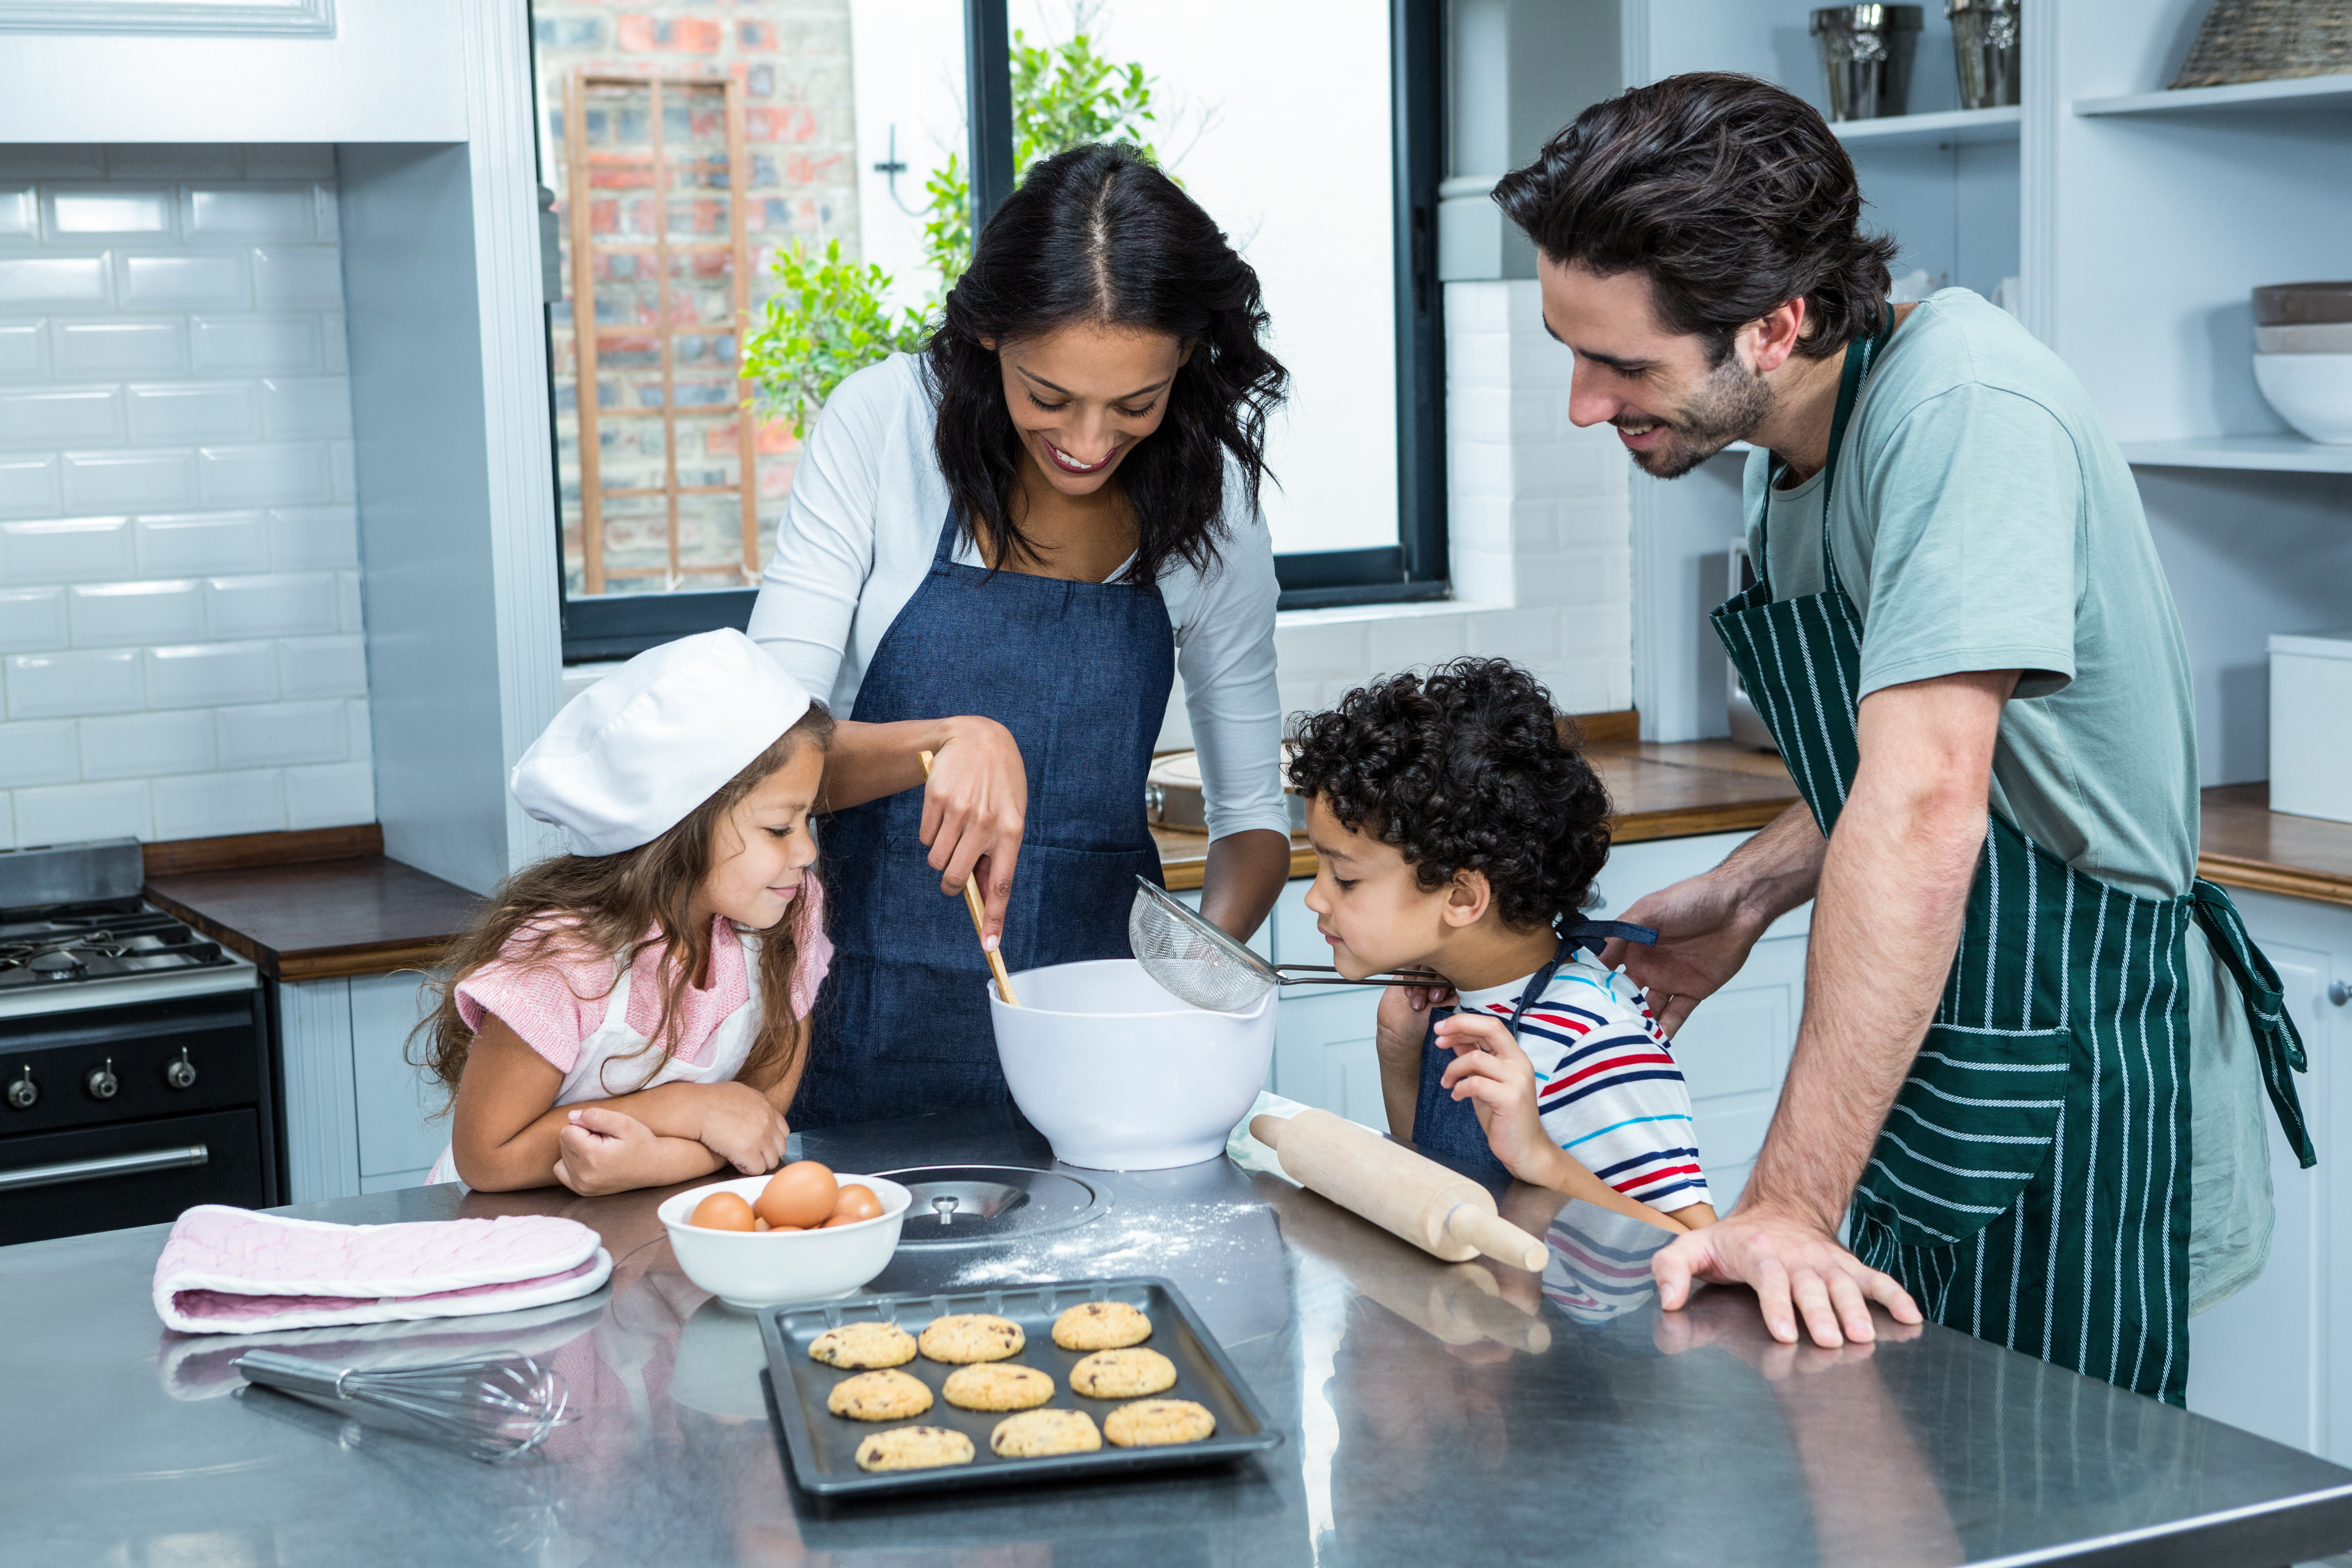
<point>233,1271</point>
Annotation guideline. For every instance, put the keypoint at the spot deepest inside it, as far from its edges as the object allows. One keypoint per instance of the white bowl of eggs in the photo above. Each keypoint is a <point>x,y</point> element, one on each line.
<point>801,1235</point>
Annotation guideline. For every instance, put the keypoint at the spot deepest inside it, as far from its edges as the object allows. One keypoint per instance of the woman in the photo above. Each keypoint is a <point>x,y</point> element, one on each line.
<point>1002,551</point>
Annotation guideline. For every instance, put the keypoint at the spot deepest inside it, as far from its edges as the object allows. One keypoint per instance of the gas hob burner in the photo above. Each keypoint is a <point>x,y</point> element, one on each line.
<point>73,943</point>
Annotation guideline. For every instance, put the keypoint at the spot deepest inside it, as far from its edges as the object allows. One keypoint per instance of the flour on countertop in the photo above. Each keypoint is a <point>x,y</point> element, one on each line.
<point>1114,1244</point>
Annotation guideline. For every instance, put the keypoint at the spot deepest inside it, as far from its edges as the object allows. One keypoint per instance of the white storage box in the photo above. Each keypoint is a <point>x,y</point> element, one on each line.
<point>2311,724</point>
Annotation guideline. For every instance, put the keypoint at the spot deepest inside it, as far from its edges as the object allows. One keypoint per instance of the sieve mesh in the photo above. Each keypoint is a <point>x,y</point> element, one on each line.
<point>1192,960</point>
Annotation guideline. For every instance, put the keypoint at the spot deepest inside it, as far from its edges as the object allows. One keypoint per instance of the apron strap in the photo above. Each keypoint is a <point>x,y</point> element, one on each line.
<point>945,554</point>
<point>1860,355</point>
<point>2277,1043</point>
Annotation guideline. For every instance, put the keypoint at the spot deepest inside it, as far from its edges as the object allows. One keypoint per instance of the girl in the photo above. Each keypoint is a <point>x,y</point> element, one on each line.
<point>1003,551</point>
<point>634,1013</point>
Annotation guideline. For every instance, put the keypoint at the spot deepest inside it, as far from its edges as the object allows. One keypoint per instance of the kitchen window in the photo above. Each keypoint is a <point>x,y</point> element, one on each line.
<point>680,156</point>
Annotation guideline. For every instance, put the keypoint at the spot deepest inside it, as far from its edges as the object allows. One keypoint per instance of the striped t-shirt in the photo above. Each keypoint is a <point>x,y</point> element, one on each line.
<point>1606,1083</point>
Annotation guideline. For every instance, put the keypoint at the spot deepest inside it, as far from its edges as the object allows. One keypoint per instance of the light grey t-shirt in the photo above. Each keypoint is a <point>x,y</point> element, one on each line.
<point>1984,520</point>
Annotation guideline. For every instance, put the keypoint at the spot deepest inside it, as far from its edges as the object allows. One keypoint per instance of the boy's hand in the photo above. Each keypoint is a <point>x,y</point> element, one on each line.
<point>603,1150</point>
<point>741,1125</point>
<point>1494,1074</point>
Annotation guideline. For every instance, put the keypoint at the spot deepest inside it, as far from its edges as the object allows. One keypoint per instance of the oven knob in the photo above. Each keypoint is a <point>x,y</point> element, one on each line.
<point>180,1074</point>
<point>23,1093</point>
<point>102,1081</point>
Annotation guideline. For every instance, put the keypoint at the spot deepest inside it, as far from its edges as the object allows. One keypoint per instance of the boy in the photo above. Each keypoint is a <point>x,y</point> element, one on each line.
<point>1455,832</point>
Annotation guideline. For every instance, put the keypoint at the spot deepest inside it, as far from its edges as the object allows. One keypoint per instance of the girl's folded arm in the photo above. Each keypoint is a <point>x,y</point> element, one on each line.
<point>508,1128</point>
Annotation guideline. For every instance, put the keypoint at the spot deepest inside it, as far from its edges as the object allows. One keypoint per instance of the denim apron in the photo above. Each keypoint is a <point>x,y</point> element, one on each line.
<point>1080,673</point>
<point>2031,1183</point>
<point>1444,1125</point>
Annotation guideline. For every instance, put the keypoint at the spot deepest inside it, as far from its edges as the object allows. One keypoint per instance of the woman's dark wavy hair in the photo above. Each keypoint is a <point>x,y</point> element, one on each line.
<point>1729,192</point>
<point>1097,235</point>
<point>1468,769</point>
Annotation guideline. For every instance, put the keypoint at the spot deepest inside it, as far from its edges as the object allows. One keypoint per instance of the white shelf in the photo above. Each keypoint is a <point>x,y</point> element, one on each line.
<point>2287,453</point>
<point>1952,126</point>
<point>2322,92</point>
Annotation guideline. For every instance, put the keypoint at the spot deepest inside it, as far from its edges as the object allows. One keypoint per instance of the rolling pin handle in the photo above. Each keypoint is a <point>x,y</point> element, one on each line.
<point>1267,1130</point>
<point>1495,1236</point>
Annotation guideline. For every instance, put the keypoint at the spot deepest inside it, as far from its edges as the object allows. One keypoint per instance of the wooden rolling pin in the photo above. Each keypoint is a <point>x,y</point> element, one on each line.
<point>1446,1214</point>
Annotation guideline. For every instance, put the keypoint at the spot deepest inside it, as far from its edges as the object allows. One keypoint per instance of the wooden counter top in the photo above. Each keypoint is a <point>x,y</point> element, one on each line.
<point>319,920</point>
<point>1684,789</point>
<point>317,906</point>
<point>2247,845</point>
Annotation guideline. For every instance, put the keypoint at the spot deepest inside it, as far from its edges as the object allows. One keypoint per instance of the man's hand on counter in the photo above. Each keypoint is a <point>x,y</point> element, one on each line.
<point>1796,1268</point>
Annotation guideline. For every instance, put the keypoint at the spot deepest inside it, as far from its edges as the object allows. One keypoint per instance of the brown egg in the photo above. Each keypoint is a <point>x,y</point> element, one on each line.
<point>855,1203</point>
<point>723,1211</point>
<point>801,1195</point>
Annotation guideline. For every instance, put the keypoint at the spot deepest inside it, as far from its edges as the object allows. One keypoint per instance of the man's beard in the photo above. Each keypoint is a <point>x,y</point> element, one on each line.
<point>1732,401</point>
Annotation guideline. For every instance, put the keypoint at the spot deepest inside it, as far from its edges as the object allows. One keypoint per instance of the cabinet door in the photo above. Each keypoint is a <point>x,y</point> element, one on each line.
<point>399,1135</point>
<point>2263,1359</point>
<point>1324,1053</point>
<point>1734,1052</point>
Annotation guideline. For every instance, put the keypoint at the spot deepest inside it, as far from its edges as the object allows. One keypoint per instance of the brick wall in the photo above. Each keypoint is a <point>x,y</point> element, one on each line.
<point>793,58</point>
<point>180,649</point>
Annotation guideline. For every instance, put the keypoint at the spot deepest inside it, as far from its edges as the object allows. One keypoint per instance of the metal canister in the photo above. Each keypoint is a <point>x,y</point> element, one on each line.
<point>1984,51</point>
<point>1866,54</point>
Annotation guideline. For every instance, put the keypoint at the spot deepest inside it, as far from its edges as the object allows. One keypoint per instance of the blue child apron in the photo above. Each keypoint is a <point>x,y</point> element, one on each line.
<point>2031,1183</point>
<point>1080,673</point>
<point>1444,1125</point>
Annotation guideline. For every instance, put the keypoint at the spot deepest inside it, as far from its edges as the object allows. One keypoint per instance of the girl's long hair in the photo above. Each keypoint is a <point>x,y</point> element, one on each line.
<point>615,906</point>
<point>1097,236</point>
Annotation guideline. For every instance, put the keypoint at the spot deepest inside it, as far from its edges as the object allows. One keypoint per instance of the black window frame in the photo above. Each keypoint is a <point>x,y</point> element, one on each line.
<point>616,626</point>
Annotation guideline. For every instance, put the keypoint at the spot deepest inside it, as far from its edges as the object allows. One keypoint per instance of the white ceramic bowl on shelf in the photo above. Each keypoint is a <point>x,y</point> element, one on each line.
<point>765,1268</point>
<point>1120,1075</point>
<point>2311,392</point>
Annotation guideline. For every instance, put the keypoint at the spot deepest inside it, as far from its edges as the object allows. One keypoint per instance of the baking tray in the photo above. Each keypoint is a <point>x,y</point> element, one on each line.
<point>823,1446</point>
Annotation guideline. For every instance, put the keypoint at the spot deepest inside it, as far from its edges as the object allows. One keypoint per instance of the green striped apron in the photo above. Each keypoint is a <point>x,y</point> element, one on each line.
<point>2031,1184</point>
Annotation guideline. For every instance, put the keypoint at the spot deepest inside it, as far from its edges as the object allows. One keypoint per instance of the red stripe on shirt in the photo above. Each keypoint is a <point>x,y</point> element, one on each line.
<point>1611,1065</point>
<point>1659,1175</point>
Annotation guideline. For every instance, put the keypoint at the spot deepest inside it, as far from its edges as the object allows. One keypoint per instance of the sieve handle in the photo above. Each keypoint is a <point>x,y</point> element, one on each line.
<point>1324,974</point>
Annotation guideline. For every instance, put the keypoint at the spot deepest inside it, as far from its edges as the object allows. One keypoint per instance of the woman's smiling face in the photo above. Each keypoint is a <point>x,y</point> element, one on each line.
<point>1082,396</point>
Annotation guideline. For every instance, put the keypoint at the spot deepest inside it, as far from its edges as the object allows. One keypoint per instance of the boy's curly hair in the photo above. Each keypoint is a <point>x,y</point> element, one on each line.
<point>1468,769</point>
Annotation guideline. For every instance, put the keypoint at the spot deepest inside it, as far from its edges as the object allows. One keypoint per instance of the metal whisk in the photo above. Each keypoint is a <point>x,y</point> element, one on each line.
<point>1196,962</point>
<point>492,1408</point>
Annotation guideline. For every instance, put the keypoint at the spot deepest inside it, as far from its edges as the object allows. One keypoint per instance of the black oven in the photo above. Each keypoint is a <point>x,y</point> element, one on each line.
<point>127,1112</point>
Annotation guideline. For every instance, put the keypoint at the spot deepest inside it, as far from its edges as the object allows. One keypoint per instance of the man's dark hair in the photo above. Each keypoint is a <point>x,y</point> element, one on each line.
<point>1730,193</point>
<point>1469,769</point>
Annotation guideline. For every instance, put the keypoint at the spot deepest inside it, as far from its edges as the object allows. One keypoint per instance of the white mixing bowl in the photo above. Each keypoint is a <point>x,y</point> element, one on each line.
<point>1120,1075</point>
<point>2311,392</point>
<point>764,1268</point>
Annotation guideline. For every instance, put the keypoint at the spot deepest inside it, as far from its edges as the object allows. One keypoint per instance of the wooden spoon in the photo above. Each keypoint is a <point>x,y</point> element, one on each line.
<point>979,920</point>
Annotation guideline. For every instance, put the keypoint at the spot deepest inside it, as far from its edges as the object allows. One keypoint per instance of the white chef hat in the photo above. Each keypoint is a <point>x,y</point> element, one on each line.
<point>629,758</point>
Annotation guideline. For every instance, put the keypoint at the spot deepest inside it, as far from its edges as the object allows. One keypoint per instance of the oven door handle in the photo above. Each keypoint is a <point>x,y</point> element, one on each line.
<point>66,1171</point>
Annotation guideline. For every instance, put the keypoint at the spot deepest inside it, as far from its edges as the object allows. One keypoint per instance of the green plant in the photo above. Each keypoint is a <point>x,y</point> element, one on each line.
<point>1063,95</point>
<point>824,321</point>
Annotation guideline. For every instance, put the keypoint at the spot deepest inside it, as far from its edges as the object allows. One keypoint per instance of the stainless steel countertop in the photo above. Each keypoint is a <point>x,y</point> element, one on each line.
<point>1432,1413</point>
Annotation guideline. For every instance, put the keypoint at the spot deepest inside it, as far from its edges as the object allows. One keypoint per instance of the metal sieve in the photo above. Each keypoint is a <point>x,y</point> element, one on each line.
<point>1196,962</point>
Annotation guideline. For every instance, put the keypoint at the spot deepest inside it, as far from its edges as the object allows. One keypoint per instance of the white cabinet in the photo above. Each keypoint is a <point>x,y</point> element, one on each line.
<point>2263,1359</point>
<point>359,1118</point>
<point>1734,1050</point>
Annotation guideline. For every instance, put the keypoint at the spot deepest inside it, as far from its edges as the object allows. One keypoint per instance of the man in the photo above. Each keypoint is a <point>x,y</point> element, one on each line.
<point>2024,1068</point>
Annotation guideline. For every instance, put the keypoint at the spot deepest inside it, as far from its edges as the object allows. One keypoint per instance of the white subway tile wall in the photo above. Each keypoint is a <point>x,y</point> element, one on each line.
<point>179,643</point>
<point>1539,522</point>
